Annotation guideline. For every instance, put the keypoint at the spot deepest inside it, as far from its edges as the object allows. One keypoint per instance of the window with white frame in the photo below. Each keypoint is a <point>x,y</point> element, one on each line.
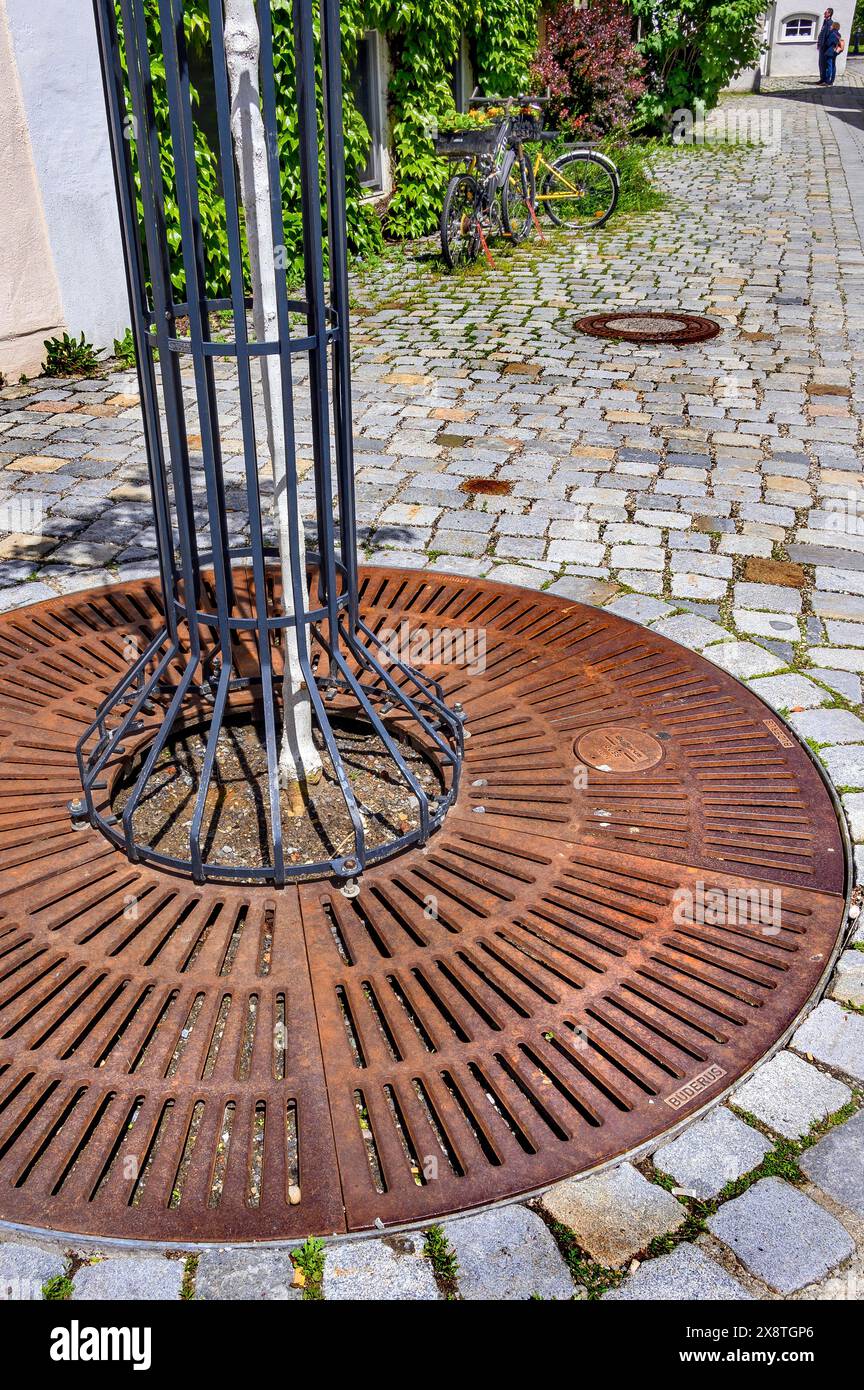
<point>800,28</point>
<point>368,82</point>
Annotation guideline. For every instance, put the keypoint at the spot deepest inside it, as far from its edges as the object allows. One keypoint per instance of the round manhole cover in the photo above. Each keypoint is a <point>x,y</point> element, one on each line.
<point>619,749</point>
<point>649,327</point>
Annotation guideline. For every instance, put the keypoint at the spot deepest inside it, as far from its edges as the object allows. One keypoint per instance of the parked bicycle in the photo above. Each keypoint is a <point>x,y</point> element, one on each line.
<point>497,191</point>
<point>494,193</point>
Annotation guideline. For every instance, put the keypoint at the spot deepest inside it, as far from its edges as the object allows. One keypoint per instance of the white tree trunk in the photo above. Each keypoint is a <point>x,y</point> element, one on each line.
<point>299,760</point>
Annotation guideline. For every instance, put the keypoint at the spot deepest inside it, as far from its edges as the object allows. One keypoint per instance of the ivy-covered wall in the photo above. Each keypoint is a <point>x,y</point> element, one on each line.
<point>423,38</point>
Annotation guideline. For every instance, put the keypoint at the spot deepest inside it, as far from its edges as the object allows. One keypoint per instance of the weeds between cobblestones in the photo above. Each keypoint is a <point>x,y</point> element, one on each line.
<point>309,1258</point>
<point>591,1278</point>
<point>190,1269</point>
<point>445,1266</point>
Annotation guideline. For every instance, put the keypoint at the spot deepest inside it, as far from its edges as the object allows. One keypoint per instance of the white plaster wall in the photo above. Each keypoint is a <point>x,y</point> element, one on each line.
<point>30,308</point>
<point>54,43</point>
<point>802,59</point>
<point>745,81</point>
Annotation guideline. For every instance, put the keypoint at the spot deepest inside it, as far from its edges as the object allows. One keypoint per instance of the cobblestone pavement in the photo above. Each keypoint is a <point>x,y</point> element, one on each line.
<point>713,493</point>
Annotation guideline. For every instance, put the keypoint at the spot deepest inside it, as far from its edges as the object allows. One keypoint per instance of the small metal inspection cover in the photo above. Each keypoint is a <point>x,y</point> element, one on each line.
<point>649,327</point>
<point>615,748</point>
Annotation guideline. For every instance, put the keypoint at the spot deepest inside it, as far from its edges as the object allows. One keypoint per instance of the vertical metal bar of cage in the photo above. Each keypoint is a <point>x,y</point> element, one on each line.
<point>315,299</point>
<point>140,78</point>
<point>331,66</point>
<point>183,144</point>
<point>156,238</point>
<point>269,112</point>
<point>124,183</point>
<point>178,73</point>
<point>318,375</point>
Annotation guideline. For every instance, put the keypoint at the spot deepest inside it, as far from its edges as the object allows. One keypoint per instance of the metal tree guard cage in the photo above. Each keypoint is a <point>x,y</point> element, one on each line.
<point>220,652</point>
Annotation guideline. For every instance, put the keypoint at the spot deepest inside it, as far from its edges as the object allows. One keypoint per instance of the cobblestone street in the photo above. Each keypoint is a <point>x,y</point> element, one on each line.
<point>714,492</point>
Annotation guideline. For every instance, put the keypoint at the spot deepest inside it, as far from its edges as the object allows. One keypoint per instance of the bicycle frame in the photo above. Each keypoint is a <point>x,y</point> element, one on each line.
<point>569,188</point>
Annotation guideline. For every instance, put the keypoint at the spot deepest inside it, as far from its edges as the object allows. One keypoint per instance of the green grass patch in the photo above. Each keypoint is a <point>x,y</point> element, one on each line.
<point>589,1274</point>
<point>57,1289</point>
<point>190,1269</point>
<point>309,1257</point>
<point>442,1257</point>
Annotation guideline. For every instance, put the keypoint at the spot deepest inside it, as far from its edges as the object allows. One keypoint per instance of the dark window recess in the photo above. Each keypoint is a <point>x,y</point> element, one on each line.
<point>365,84</point>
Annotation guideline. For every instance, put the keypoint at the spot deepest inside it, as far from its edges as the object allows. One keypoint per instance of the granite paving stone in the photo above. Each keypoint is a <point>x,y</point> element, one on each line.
<point>790,692</point>
<point>782,1236</point>
<point>253,1275</point>
<point>389,1269</point>
<point>835,726</point>
<point>614,1214</point>
<point>711,1153</point>
<point>848,982</point>
<point>834,1036</point>
<point>691,630</point>
<point>789,1095</point>
<point>133,1278</point>
<point>836,1164</point>
<point>508,1254</point>
<point>845,764</point>
<point>24,1269</point>
<point>744,659</point>
<point>686,1274</point>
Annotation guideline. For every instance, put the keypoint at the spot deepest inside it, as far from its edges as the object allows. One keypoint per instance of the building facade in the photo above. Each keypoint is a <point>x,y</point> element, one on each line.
<point>790,34</point>
<point>62,267</point>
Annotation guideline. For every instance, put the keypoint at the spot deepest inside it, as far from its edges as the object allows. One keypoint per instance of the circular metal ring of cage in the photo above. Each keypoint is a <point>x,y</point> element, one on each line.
<point>175,688</point>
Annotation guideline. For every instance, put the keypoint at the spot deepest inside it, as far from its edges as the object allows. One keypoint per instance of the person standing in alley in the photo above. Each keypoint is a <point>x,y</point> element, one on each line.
<point>833,46</point>
<point>827,24</point>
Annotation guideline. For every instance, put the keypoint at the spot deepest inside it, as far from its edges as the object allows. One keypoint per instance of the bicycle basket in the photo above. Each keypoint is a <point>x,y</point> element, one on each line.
<point>525,127</point>
<point>481,140</point>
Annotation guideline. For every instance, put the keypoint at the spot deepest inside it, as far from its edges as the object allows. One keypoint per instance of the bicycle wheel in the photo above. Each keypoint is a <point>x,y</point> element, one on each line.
<point>460,239</point>
<point>517,199</point>
<point>581,190</point>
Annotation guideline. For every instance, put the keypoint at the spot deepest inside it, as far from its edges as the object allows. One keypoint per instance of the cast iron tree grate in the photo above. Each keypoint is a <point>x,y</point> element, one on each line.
<point>547,985</point>
<point>637,327</point>
<point>234,640</point>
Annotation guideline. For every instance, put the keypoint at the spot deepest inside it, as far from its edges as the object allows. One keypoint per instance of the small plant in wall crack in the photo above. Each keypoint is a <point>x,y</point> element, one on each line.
<point>69,356</point>
<point>124,349</point>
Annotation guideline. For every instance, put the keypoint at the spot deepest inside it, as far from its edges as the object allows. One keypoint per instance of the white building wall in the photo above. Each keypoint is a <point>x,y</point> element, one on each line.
<point>30,309</point>
<point>54,45</point>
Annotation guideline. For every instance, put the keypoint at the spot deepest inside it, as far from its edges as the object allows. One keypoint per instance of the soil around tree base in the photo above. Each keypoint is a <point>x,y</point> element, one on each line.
<point>236,827</point>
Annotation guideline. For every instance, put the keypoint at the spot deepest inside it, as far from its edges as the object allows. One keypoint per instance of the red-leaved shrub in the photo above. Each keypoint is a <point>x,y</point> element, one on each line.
<point>588,61</point>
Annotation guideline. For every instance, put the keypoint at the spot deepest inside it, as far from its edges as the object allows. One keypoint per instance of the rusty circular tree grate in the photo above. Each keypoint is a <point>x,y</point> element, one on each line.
<point>546,985</point>
<point>635,327</point>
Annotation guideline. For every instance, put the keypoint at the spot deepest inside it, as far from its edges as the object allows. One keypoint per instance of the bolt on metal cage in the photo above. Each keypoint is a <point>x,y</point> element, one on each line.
<point>221,647</point>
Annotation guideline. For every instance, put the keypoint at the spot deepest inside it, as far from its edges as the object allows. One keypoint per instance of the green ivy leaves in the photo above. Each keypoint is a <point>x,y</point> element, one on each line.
<point>424,41</point>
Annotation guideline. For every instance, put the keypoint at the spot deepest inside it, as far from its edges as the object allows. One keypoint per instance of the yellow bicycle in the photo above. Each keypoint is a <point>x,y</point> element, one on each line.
<point>579,189</point>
